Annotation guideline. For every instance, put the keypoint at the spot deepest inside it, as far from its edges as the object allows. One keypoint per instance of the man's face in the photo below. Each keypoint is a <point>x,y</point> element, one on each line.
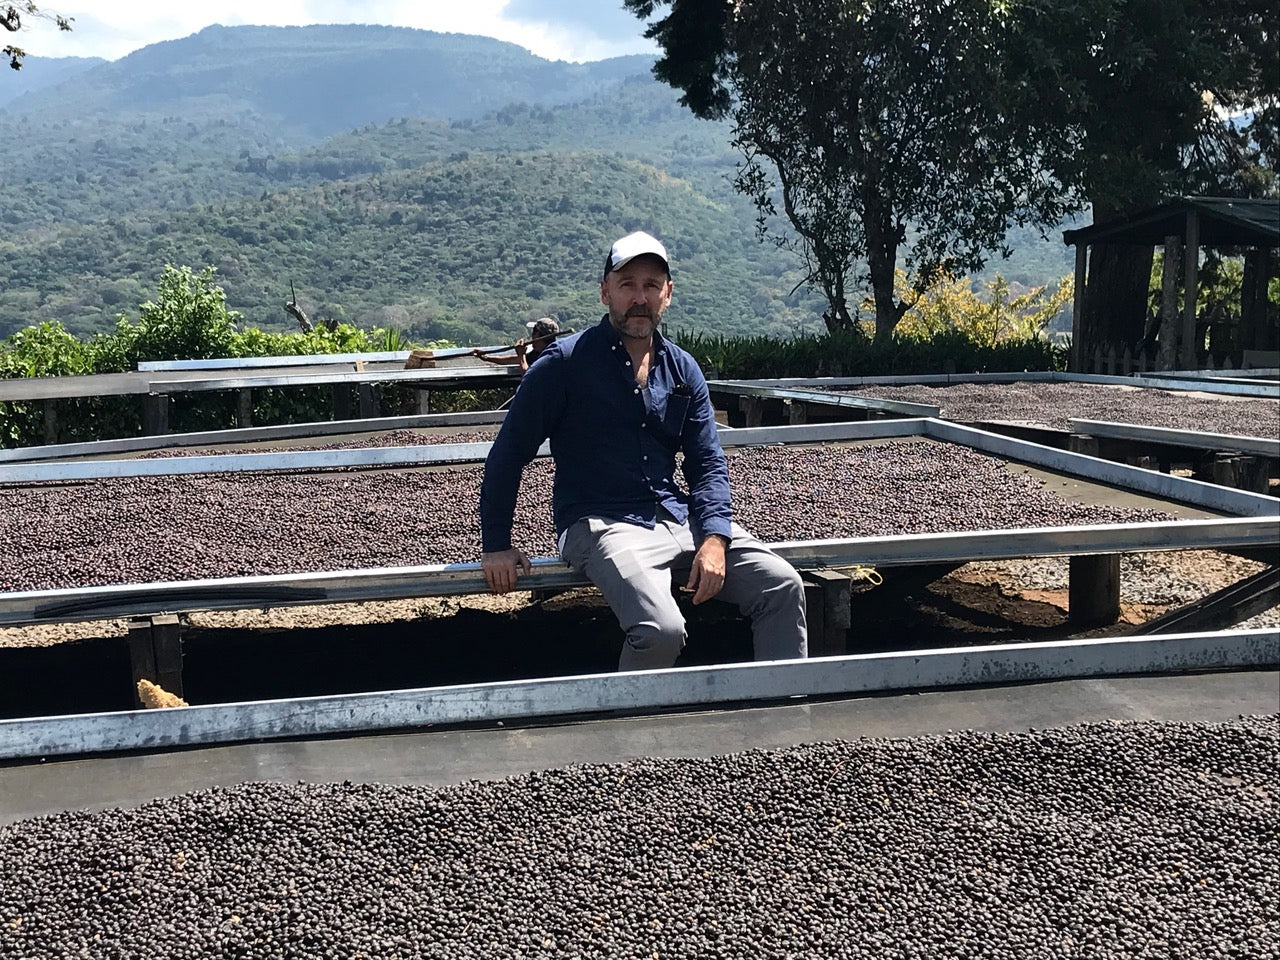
<point>637,296</point>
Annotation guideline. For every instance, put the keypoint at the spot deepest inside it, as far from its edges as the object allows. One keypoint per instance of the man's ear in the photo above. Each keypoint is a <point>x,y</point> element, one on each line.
<point>604,293</point>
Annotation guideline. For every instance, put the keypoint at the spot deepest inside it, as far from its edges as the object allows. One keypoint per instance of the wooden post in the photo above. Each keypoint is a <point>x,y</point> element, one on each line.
<point>1241,472</point>
<point>155,652</point>
<point>827,598</point>
<point>1093,593</point>
<point>753,410</point>
<point>368,401</point>
<point>50,408</point>
<point>342,401</point>
<point>244,407</point>
<point>1078,355</point>
<point>797,412</point>
<point>155,414</point>
<point>1188,355</point>
<point>1167,339</point>
<point>1085,444</point>
<point>424,401</point>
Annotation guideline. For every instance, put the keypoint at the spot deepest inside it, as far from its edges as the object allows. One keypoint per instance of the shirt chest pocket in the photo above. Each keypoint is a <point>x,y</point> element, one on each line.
<point>674,416</point>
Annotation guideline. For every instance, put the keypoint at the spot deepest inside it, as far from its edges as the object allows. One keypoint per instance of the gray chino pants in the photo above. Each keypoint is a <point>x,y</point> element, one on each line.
<point>633,566</point>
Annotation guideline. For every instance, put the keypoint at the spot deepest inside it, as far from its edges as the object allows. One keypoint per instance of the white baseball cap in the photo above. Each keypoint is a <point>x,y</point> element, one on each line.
<point>634,245</point>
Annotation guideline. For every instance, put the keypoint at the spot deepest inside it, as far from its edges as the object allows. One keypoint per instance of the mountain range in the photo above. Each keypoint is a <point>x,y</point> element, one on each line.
<point>448,185</point>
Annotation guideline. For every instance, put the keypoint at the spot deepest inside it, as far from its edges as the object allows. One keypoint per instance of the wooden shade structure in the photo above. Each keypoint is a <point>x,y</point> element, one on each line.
<point>1185,224</point>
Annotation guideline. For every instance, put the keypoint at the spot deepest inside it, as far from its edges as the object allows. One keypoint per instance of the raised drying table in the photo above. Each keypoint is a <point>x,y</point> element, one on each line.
<point>1251,524</point>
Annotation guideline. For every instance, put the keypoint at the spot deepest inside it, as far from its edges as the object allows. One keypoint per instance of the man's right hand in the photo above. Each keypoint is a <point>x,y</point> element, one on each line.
<point>502,568</point>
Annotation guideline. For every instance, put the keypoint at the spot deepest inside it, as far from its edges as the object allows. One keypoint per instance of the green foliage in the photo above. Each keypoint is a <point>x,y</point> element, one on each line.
<point>851,354</point>
<point>400,224</point>
<point>464,250</point>
<point>993,318</point>
<point>188,320</point>
<point>190,310</point>
<point>45,350</point>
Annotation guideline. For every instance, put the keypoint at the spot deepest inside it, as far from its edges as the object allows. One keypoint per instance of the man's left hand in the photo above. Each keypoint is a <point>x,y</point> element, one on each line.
<point>707,576</point>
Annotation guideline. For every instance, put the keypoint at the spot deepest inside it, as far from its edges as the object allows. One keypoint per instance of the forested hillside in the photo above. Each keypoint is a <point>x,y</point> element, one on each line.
<point>316,81</point>
<point>461,248</point>
<point>40,72</point>
<point>447,185</point>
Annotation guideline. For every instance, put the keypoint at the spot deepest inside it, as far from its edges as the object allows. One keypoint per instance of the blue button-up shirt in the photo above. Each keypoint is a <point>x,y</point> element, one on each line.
<point>615,457</point>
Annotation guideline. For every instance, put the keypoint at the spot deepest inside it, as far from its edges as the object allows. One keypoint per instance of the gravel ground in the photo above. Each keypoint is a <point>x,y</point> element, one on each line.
<point>1053,405</point>
<point>1163,580</point>
<point>1101,841</point>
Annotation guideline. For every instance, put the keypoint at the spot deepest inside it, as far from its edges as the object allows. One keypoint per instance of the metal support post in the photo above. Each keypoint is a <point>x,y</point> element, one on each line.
<point>342,402</point>
<point>752,410</point>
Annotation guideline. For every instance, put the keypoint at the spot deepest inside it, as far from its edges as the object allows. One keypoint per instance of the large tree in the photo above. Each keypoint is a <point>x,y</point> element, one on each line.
<point>1172,97</point>
<point>929,122</point>
<point>11,17</point>
<point>876,128</point>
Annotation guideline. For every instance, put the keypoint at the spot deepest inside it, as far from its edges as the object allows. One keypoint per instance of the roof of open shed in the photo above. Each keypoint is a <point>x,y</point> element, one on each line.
<point>1224,222</point>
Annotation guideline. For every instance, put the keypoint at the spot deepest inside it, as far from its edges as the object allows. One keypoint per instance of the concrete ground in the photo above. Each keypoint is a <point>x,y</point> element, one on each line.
<point>30,789</point>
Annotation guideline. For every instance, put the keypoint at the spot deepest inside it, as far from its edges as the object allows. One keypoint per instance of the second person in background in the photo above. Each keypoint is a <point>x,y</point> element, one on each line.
<point>542,333</point>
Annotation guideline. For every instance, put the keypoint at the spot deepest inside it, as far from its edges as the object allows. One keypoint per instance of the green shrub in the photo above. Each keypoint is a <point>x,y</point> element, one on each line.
<point>852,354</point>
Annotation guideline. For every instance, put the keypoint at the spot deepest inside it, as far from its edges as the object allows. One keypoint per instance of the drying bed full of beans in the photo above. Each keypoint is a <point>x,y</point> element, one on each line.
<point>184,527</point>
<point>1054,404</point>
<point>1100,840</point>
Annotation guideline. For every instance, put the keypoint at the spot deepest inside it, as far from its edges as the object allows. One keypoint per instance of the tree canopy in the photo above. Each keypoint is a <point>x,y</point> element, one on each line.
<point>926,125</point>
<point>11,15</point>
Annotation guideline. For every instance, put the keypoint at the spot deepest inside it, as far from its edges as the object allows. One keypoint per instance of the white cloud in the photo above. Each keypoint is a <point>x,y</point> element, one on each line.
<point>132,24</point>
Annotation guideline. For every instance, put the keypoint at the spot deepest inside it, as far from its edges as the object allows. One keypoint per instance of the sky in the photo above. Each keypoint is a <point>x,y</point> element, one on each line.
<point>576,30</point>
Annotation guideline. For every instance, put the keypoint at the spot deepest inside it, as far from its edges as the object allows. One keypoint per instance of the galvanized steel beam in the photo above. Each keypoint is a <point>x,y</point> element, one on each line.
<point>297,360</point>
<point>689,687</point>
<point>425,455</point>
<point>1260,446</point>
<point>400,456</point>
<point>424,376</point>
<point>395,583</point>
<point>285,431</point>
<point>900,407</point>
<point>1178,489</point>
<point>1271,391</point>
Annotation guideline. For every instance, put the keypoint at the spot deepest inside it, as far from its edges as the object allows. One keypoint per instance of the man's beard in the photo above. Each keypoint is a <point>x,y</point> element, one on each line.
<point>626,322</point>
